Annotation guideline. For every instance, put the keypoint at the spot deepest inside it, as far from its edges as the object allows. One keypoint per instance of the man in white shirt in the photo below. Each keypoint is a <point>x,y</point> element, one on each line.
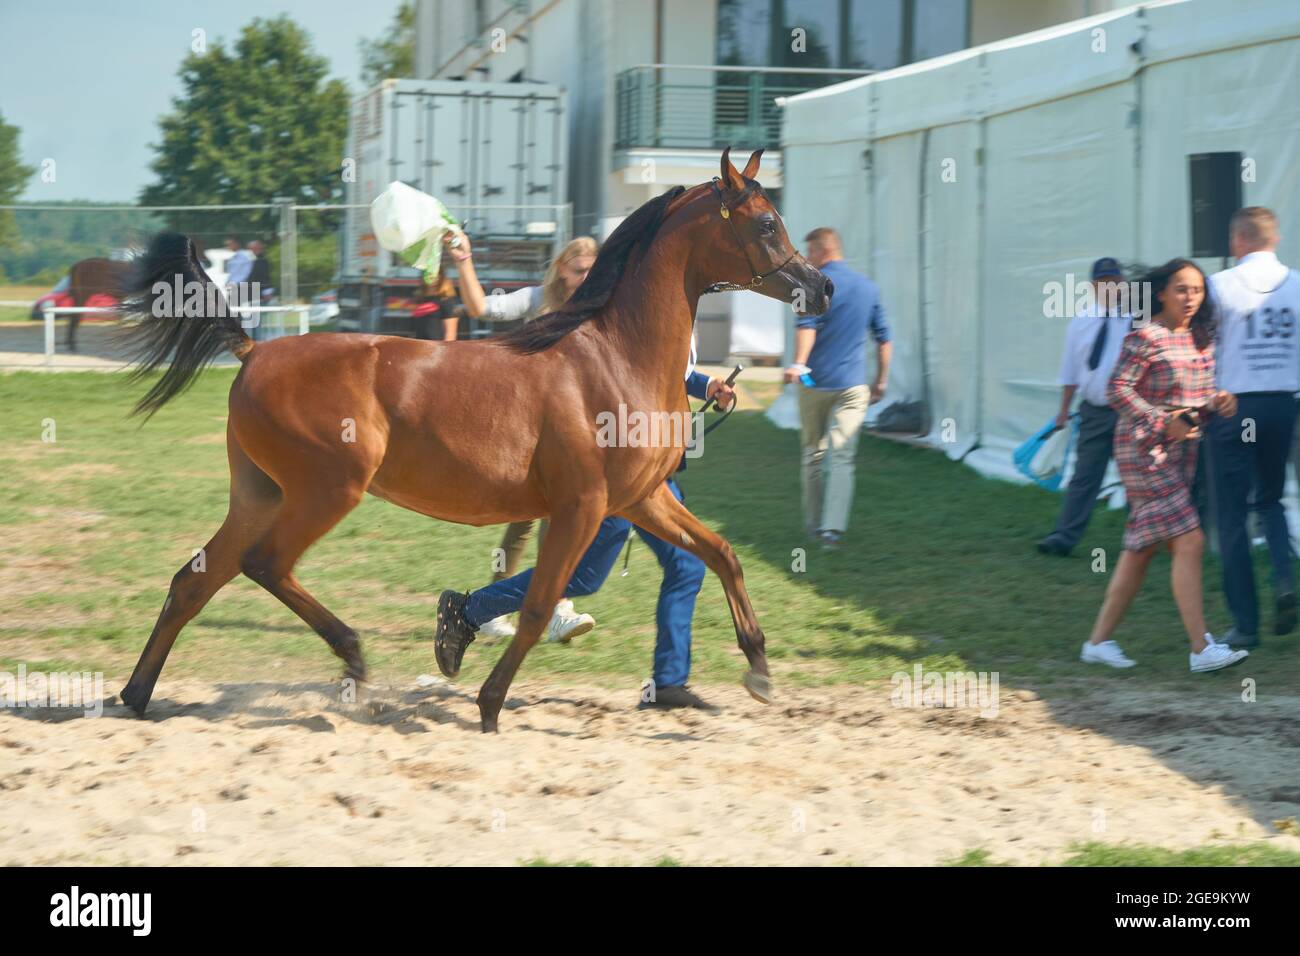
<point>1257,304</point>
<point>1092,346</point>
<point>238,268</point>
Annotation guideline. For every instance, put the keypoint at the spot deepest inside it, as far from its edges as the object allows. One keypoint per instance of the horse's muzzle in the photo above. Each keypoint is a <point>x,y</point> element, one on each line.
<point>820,291</point>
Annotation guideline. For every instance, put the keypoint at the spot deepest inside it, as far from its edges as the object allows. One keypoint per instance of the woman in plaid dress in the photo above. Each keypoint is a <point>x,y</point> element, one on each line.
<point>1163,390</point>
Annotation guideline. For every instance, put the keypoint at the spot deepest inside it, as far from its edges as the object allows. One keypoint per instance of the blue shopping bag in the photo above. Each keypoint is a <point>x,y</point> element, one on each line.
<point>1042,457</point>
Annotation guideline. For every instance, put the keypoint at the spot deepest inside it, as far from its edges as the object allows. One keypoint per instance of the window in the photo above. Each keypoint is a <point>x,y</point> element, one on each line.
<point>938,27</point>
<point>839,34</point>
<point>1216,194</point>
<point>874,36</point>
<point>744,32</point>
<point>817,44</point>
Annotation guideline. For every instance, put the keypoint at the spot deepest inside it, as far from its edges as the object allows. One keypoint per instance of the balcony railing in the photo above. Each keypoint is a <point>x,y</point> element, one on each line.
<point>709,107</point>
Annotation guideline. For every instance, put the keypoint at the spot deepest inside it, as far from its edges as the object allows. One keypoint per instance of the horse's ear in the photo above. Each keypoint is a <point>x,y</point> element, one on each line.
<point>751,167</point>
<point>730,178</point>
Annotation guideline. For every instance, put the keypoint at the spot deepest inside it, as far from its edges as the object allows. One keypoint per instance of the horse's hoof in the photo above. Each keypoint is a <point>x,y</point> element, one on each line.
<point>490,725</point>
<point>759,686</point>
<point>131,699</point>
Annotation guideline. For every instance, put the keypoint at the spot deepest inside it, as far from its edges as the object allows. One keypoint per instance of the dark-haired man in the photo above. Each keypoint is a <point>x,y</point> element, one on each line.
<point>1093,342</point>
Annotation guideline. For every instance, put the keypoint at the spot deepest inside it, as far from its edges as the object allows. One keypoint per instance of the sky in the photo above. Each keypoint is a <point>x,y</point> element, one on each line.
<point>85,81</point>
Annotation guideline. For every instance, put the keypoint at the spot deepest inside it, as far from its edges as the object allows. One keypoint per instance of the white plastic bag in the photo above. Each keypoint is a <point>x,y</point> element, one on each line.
<point>1049,461</point>
<point>412,224</point>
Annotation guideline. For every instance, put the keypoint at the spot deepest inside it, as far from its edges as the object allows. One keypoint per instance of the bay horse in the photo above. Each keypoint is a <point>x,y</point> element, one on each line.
<point>89,277</point>
<point>477,432</point>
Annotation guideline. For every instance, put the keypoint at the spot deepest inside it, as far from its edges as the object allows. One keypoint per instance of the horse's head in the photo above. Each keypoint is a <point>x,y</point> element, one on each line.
<point>752,250</point>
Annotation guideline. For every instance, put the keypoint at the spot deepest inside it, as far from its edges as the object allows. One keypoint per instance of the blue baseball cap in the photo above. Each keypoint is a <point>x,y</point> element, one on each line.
<point>1106,268</point>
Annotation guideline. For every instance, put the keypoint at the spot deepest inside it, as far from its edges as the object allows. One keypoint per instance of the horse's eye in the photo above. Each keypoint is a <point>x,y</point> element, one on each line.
<point>769,226</point>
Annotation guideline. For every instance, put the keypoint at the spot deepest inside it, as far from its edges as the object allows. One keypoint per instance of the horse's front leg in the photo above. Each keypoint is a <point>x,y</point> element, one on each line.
<point>665,517</point>
<point>572,528</point>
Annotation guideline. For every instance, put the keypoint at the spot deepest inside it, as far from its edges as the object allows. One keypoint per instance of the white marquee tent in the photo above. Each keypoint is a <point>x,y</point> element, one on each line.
<point>966,184</point>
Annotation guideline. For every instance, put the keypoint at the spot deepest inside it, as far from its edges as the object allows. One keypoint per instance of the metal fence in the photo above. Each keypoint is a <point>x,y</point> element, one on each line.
<point>708,107</point>
<point>309,250</point>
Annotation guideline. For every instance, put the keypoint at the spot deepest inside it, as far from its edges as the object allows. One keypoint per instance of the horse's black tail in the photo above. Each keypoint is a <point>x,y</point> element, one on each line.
<point>181,319</point>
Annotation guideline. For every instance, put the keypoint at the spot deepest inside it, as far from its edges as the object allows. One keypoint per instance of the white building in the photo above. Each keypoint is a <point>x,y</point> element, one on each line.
<point>656,88</point>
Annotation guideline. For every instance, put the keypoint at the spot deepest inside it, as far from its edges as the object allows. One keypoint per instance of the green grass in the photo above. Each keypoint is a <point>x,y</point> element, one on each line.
<point>1083,854</point>
<point>1126,854</point>
<point>938,569</point>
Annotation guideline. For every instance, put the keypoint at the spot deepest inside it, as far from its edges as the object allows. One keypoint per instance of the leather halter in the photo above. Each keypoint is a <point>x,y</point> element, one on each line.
<point>725,212</point>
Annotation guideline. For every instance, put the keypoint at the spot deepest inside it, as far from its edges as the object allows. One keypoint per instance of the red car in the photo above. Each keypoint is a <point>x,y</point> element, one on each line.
<point>59,297</point>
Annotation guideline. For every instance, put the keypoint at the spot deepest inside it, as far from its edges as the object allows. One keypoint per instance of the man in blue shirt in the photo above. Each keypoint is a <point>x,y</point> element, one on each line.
<point>830,362</point>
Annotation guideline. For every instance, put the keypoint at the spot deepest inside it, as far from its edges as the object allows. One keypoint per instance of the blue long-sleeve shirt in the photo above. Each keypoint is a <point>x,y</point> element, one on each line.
<point>839,356</point>
<point>697,385</point>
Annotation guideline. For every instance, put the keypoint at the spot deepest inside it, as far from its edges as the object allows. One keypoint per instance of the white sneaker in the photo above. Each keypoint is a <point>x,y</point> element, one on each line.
<point>498,627</point>
<point>1107,652</point>
<point>566,625</point>
<point>1215,657</point>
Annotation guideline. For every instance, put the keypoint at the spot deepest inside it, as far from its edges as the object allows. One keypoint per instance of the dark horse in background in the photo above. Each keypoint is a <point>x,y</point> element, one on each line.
<point>317,422</point>
<point>91,277</point>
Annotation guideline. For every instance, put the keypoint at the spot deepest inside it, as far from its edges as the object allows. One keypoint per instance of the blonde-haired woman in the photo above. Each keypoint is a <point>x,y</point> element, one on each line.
<point>434,309</point>
<point>565,273</point>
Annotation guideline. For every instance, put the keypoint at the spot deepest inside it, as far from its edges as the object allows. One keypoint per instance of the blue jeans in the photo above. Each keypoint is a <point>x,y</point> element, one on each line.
<point>1237,466</point>
<point>683,577</point>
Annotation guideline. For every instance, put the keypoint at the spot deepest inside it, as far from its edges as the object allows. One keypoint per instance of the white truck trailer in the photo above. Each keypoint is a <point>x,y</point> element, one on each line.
<point>494,153</point>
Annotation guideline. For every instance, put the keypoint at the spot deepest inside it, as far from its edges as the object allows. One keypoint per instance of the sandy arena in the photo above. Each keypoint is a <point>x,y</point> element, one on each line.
<point>240,774</point>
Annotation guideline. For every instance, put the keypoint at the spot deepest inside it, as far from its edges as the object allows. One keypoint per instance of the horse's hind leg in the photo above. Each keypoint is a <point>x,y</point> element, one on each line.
<point>253,499</point>
<point>567,539</point>
<point>306,515</point>
<point>667,518</point>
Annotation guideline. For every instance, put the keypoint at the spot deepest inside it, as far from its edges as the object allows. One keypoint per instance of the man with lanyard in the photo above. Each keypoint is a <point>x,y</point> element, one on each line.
<point>1093,342</point>
<point>461,615</point>
<point>1257,304</point>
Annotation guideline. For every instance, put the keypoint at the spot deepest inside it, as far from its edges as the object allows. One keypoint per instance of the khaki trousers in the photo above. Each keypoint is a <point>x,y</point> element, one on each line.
<point>513,543</point>
<point>831,420</point>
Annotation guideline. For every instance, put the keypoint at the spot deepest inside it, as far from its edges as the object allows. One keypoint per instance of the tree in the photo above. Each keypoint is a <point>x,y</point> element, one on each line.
<point>13,179</point>
<point>393,54</point>
<point>252,124</point>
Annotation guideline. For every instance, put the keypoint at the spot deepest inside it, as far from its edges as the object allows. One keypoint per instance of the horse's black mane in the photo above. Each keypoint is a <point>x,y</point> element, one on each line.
<point>593,295</point>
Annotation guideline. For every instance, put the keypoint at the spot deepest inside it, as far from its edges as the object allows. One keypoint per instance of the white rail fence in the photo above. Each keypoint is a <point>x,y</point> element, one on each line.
<point>252,320</point>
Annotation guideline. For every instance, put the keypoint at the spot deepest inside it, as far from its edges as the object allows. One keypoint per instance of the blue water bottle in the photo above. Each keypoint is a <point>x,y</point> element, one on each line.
<point>807,379</point>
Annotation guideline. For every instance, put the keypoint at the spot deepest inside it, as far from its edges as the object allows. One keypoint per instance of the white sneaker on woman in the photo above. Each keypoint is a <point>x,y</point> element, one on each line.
<point>1215,656</point>
<point>566,625</point>
<point>498,627</point>
<point>1107,652</point>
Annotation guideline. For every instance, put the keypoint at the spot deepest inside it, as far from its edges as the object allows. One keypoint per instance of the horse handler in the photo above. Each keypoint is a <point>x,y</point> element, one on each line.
<point>461,615</point>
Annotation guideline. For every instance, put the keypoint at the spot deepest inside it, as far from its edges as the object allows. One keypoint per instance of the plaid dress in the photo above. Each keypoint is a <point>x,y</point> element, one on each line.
<point>1158,370</point>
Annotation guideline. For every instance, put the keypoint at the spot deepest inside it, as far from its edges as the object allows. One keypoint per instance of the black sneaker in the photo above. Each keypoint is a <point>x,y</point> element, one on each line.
<point>1284,620</point>
<point>670,698</point>
<point>1054,546</point>
<point>454,633</point>
<point>1235,639</point>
